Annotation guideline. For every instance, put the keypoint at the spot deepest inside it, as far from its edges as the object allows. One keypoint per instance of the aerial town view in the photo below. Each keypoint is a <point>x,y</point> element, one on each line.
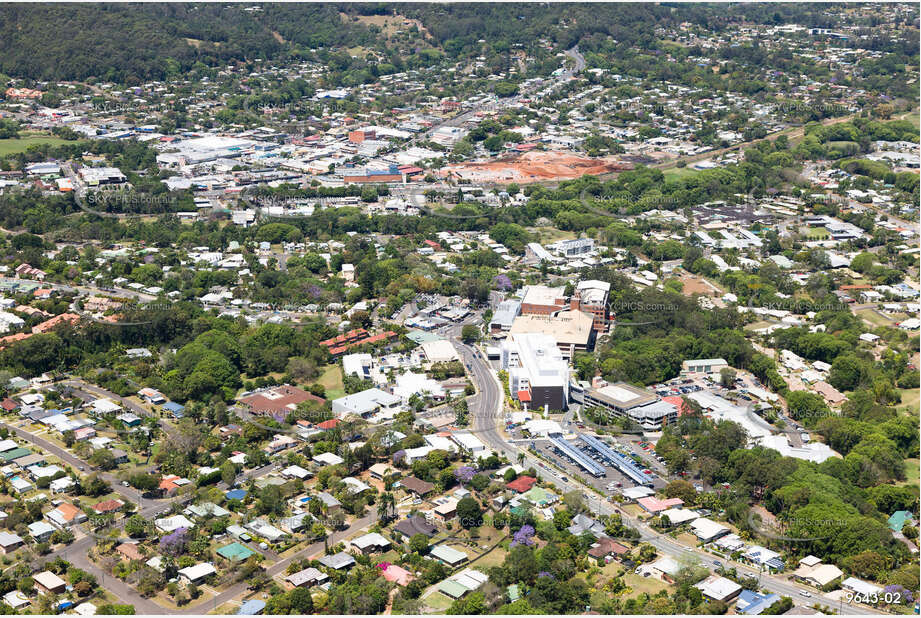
<point>459,308</point>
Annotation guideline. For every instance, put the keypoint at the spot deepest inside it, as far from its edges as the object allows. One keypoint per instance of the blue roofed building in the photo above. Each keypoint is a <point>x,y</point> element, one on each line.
<point>236,494</point>
<point>753,603</point>
<point>253,607</point>
<point>174,408</point>
<point>898,520</point>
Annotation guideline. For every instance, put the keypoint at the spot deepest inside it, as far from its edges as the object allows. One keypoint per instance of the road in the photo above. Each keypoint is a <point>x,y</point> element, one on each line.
<point>276,569</point>
<point>486,411</point>
<point>579,59</point>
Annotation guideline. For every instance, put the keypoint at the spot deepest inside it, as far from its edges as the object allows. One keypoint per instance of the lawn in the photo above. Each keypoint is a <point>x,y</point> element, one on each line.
<point>550,235</point>
<point>638,585</point>
<point>911,397</point>
<point>438,601</point>
<point>676,173</point>
<point>817,233</point>
<point>874,317</point>
<point>12,146</point>
<point>494,558</point>
<point>331,379</point>
<point>911,472</point>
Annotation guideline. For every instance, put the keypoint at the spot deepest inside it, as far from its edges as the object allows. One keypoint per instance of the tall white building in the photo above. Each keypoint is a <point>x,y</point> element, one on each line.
<point>537,373</point>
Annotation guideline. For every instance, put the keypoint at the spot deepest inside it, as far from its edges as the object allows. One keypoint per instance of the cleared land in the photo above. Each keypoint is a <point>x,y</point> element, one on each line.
<point>535,167</point>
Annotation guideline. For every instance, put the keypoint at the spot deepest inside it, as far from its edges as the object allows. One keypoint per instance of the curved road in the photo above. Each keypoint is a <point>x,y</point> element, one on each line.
<point>486,411</point>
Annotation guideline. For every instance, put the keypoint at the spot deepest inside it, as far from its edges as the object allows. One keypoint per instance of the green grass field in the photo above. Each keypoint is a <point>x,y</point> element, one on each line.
<point>331,379</point>
<point>911,472</point>
<point>551,235</point>
<point>911,397</point>
<point>12,146</point>
<point>674,173</point>
<point>874,317</point>
<point>638,585</point>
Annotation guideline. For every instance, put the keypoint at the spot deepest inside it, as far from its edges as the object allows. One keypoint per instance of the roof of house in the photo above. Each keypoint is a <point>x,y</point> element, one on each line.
<point>417,486</point>
<point>396,574</point>
<point>130,551</point>
<point>68,511</point>
<point>253,607</point>
<point>236,552</point>
<point>282,398</point>
<point>198,571</point>
<point>718,588</point>
<point>49,580</point>
<point>414,525</point>
<point>654,505</point>
<point>448,554</point>
<point>308,575</point>
<point>337,561</point>
<point>897,520</point>
<point>372,539</point>
<point>108,505</point>
<point>607,546</point>
<point>522,484</point>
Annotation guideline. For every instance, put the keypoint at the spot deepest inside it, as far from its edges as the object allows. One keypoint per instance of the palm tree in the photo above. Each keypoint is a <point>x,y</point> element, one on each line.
<point>386,507</point>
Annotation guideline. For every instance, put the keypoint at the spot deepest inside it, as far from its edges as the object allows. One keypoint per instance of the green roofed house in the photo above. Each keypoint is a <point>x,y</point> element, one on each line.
<point>539,496</point>
<point>452,589</point>
<point>898,519</point>
<point>15,453</point>
<point>513,593</point>
<point>520,510</point>
<point>235,552</point>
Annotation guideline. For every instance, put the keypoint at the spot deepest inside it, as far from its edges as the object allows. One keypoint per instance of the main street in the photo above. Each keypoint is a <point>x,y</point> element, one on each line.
<point>486,410</point>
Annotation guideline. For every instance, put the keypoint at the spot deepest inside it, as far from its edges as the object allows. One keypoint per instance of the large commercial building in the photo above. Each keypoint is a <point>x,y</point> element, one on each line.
<point>504,316</point>
<point>592,297</point>
<point>368,403</point>
<point>574,247</point>
<point>704,366</point>
<point>627,401</point>
<point>537,373</point>
<point>543,300</point>
<point>572,330</point>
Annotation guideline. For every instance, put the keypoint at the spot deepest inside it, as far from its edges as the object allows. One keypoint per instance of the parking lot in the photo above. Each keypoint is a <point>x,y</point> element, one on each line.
<point>612,476</point>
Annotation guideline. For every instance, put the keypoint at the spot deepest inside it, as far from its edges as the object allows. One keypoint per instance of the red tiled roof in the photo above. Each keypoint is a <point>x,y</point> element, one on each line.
<point>278,399</point>
<point>522,484</point>
<point>330,424</point>
<point>108,506</point>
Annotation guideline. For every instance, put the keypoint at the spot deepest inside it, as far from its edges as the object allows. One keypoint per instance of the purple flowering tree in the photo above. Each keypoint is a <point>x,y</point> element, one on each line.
<point>174,543</point>
<point>524,536</point>
<point>399,457</point>
<point>464,474</point>
<point>502,282</point>
<point>896,593</point>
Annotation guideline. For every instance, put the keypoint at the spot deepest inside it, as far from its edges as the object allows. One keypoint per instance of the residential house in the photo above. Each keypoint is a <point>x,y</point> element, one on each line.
<point>338,561</point>
<point>49,583</point>
<point>371,543</point>
<point>307,578</point>
<point>718,588</point>
<point>196,574</point>
<point>413,525</point>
